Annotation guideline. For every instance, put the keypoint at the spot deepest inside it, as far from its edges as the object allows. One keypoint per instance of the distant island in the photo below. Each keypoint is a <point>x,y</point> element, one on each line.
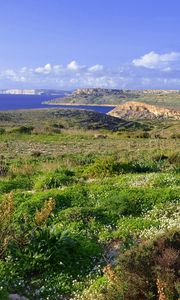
<point>33,92</point>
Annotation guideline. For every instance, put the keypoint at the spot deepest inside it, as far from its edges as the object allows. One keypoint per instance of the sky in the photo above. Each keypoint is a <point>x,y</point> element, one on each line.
<point>67,44</point>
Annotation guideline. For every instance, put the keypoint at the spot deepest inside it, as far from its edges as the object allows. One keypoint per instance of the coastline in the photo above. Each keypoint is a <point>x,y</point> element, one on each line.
<point>79,104</point>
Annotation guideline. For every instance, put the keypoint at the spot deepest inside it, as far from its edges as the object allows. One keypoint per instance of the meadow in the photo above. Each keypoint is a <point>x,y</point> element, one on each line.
<point>89,207</point>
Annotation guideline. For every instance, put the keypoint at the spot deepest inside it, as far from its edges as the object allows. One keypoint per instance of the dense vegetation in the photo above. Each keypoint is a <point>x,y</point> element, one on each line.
<point>88,212</point>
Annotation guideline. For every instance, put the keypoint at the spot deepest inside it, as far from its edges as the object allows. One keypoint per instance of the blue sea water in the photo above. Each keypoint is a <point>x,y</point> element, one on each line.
<point>13,102</point>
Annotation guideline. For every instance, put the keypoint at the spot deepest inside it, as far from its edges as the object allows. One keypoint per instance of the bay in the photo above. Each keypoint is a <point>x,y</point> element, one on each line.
<point>14,102</point>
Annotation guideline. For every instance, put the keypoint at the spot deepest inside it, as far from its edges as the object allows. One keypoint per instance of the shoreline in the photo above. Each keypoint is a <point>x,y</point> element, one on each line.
<point>80,104</point>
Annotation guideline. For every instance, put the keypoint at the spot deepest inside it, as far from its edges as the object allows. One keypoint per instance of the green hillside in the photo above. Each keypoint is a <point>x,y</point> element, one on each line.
<point>168,99</point>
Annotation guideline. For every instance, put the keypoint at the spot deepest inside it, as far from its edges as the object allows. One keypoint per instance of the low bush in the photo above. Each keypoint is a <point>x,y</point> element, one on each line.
<point>147,271</point>
<point>23,129</point>
<point>166,180</point>
<point>102,167</point>
<point>144,135</point>
<point>46,130</point>
<point>144,166</point>
<point>56,179</point>
<point>175,136</point>
<point>174,159</point>
<point>109,166</point>
<point>131,226</point>
<point>22,183</point>
<point>2,130</point>
<point>4,168</point>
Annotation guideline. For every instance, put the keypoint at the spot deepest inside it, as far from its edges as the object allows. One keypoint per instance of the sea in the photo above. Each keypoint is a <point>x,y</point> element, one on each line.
<point>14,102</point>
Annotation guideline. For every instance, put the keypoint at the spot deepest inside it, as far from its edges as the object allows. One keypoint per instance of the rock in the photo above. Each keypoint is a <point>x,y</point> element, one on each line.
<point>100,136</point>
<point>139,110</point>
<point>96,92</point>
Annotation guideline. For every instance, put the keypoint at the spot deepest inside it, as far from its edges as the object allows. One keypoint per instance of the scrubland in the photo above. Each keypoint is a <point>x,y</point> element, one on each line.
<point>89,212</point>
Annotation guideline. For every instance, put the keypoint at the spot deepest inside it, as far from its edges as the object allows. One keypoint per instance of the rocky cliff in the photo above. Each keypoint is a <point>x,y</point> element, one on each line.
<point>138,110</point>
<point>100,91</point>
<point>96,92</point>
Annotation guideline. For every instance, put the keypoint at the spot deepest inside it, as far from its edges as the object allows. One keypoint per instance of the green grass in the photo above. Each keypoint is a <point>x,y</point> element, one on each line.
<point>121,189</point>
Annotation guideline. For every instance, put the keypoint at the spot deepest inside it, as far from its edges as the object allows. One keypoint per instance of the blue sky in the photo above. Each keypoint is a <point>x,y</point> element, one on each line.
<point>66,44</point>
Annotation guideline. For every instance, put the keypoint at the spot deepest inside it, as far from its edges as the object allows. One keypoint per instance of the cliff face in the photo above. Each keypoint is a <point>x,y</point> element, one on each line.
<point>137,110</point>
<point>96,92</point>
<point>100,91</point>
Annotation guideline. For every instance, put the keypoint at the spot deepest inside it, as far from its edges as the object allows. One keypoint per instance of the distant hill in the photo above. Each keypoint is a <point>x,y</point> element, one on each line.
<point>142,111</point>
<point>66,118</point>
<point>97,96</point>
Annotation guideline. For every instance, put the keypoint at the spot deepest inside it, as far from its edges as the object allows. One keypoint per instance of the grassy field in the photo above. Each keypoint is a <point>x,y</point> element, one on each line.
<point>89,207</point>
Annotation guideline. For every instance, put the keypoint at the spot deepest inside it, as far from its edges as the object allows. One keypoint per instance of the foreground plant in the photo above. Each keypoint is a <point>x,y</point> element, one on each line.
<point>147,271</point>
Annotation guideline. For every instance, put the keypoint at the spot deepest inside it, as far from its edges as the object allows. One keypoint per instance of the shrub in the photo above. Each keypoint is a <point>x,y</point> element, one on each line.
<point>84,159</point>
<point>46,130</point>
<point>3,168</point>
<point>23,183</point>
<point>2,130</point>
<point>51,251</point>
<point>109,166</point>
<point>102,167</point>
<point>144,135</point>
<point>135,201</point>
<point>58,125</point>
<point>27,203</point>
<point>24,129</point>
<point>160,157</point>
<point>144,166</point>
<point>83,214</point>
<point>150,264</point>
<point>147,271</point>
<point>174,159</point>
<point>6,227</point>
<point>4,294</point>
<point>166,180</point>
<point>26,169</point>
<point>130,226</point>
<point>36,153</point>
<point>56,179</point>
<point>175,136</point>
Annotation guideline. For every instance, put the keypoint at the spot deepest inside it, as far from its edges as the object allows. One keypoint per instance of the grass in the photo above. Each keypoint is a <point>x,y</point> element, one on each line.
<point>68,198</point>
